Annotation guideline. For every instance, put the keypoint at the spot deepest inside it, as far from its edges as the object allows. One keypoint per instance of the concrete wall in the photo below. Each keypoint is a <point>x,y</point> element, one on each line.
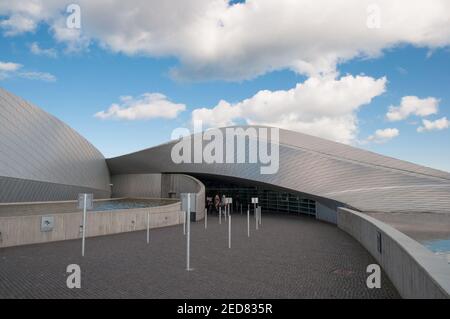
<point>414,270</point>
<point>136,185</point>
<point>179,183</point>
<point>160,185</point>
<point>22,230</point>
<point>326,211</point>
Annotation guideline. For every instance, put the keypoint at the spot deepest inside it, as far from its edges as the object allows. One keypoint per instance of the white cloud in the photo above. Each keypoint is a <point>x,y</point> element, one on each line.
<point>37,50</point>
<point>412,105</point>
<point>9,66</point>
<point>17,24</point>
<point>401,70</point>
<point>213,39</point>
<point>321,106</point>
<point>383,135</point>
<point>42,76</point>
<point>24,16</point>
<point>437,125</point>
<point>146,106</point>
<point>11,69</point>
<point>74,39</point>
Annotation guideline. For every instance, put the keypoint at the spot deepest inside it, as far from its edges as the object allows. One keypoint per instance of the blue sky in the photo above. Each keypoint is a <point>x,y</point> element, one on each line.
<point>90,79</point>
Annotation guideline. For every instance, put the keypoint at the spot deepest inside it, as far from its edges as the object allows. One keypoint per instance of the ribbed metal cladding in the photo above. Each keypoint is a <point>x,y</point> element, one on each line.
<point>322,168</point>
<point>41,158</point>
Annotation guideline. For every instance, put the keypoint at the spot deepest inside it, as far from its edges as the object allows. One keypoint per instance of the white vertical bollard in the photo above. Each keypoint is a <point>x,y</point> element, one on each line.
<point>229,231</point>
<point>256,218</point>
<point>148,227</point>
<point>84,225</point>
<point>206,218</point>
<point>248,222</point>
<point>184,223</point>
<point>188,237</point>
<point>220,215</point>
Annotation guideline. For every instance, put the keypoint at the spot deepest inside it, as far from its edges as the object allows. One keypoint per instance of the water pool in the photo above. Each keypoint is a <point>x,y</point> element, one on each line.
<point>130,204</point>
<point>440,247</point>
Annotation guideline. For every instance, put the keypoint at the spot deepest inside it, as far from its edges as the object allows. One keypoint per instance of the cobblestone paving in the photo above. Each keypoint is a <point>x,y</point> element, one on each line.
<point>288,257</point>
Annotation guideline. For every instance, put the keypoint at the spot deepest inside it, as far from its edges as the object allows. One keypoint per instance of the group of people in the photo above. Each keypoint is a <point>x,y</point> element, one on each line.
<point>214,204</point>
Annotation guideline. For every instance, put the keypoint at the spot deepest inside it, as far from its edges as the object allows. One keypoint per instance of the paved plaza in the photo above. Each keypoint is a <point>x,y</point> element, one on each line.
<point>288,257</point>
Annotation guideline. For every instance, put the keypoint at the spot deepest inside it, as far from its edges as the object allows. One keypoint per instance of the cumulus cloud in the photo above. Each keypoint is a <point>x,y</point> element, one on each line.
<point>383,135</point>
<point>412,105</point>
<point>9,66</point>
<point>12,69</point>
<point>42,76</point>
<point>436,125</point>
<point>37,50</point>
<point>75,39</point>
<point>17,24</point>
<point>217,39</point>
<point>146,106</point>
<point>25,16</point>
<point>321,106</point>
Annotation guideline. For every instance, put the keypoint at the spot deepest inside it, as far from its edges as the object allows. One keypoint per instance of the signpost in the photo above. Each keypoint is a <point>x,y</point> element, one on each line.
<point>248,221</point>
<point>148,227</point>
<point>259,215</point>
<point>224,202</point>
<point>188,242</point>
<point>85,202</point>
<point>186,200</point>
<point>255,202</point>
<point>225,207</point>
<point>184,223</point>
<point>229,231</point>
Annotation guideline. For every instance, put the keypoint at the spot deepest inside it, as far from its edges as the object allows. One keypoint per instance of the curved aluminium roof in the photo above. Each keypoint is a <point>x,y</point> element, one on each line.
<point>358,178</point>
<point>41,158</point>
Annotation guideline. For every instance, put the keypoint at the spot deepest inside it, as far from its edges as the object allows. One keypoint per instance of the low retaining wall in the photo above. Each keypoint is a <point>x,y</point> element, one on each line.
<point>414,270</point>
<point>22,230</point>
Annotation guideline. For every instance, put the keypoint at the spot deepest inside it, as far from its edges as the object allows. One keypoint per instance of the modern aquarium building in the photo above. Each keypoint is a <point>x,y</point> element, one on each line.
<point>44,160</point>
